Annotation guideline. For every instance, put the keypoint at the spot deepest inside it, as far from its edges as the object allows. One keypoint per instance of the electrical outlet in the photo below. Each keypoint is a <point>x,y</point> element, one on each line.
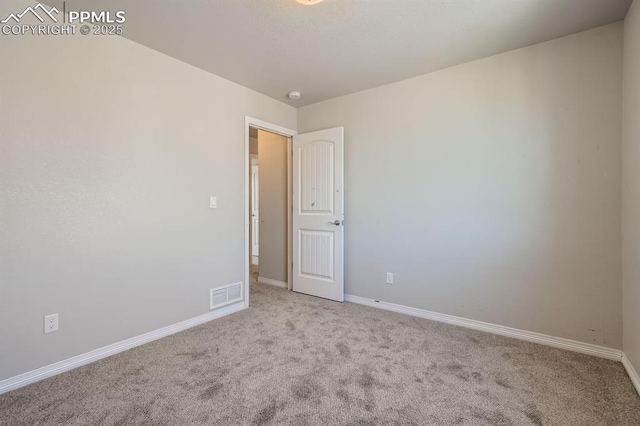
<point>389,277</point>
<point>50,323</point>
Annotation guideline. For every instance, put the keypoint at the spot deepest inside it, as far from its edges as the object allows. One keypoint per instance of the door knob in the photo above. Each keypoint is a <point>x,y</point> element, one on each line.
<point>335,222</point>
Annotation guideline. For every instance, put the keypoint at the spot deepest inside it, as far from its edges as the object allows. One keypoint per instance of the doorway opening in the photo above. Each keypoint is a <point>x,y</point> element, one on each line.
<point>269,202</point>
<point>267,205</point>
<point>301,196</point>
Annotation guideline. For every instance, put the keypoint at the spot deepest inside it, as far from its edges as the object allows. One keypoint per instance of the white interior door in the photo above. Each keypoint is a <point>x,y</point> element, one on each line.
<point>255,208</point>
<point>318,213</point>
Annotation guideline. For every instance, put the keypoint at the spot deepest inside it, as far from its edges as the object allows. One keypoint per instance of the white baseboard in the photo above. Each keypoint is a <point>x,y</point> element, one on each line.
<point>269,281</point>
<point>529,336</point>
<point>33,376</point>
<point>633,374</point>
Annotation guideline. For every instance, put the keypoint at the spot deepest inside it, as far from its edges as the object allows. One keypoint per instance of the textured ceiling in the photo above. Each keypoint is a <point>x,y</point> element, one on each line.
<point>344,46</point>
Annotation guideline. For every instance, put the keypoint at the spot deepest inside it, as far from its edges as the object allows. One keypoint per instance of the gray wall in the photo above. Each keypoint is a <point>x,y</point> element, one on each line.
<point>491,189</point>
<point>272,157</point>
<point>109,152</point>
<point>631,186</point>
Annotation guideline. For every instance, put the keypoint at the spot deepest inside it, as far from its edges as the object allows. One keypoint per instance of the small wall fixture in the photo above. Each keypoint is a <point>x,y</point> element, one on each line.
<point>294,95</point>
<point>309,2</point>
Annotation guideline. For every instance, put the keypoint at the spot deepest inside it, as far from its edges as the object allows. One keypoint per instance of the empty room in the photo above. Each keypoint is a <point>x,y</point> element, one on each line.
<point>320,212</point>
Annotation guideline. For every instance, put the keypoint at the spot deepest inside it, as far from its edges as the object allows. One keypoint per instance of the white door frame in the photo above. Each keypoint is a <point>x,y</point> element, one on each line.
<point>263,125</point>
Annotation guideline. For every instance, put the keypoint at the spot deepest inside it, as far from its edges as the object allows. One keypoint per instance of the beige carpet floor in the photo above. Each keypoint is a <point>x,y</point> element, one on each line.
<point>298,360</point>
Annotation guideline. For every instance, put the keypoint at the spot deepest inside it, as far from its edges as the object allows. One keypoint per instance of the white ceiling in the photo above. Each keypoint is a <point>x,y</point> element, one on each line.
<point>344,46</point>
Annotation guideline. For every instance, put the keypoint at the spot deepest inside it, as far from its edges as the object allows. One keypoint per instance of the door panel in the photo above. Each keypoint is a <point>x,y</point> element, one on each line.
<point>318,203</point>
<point>316,165</point>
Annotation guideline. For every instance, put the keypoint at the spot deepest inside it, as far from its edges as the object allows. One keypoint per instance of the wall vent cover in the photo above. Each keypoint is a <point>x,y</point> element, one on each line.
<point>226,295</point>
<point>234,292</point>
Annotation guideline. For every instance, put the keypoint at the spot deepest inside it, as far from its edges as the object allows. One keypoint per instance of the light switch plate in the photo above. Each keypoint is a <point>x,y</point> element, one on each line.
<point>213,202</point>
